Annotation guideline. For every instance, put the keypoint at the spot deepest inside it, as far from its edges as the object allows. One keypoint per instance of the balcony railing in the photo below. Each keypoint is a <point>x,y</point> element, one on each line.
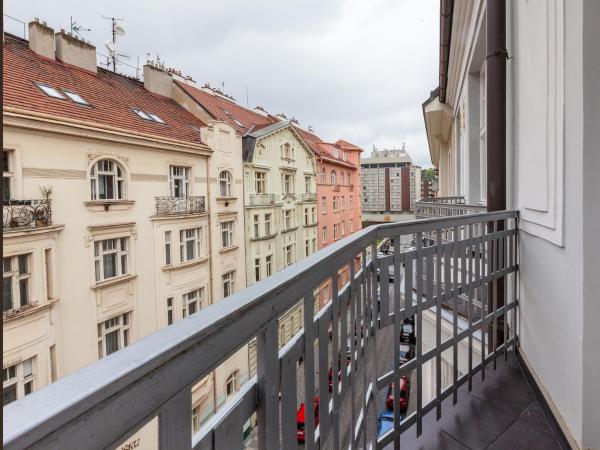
<point>105,403</point>
<point>308,197</point>
<point>19,214</point>
<point>445,207</point>
<point>262,199</point>
<point>180,205</point>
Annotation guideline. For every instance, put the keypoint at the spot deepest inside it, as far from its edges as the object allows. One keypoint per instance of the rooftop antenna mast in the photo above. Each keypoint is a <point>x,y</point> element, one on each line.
<point>117,30</point>
<point>77,28</point>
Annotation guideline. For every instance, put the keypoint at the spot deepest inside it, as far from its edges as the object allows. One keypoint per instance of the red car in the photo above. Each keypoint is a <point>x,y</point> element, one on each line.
<point>404,391</point>
<point>330,375</point>
<point>300,420</point>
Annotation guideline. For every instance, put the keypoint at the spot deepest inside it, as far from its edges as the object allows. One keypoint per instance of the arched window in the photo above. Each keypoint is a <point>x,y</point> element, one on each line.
<point>342,177</point>
<point>232,383</point>
<point>107,180</point>
<point>225,184</point>
<point>333,177</point>
<point>322,176</point>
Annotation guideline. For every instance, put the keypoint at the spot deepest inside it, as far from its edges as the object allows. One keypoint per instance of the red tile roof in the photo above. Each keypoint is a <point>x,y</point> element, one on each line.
<point>227,110</point>
<point>111,96</point>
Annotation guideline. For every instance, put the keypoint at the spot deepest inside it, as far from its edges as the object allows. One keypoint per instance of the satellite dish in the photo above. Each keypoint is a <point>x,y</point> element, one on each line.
<point>111,47</point>
<point>119,30</point>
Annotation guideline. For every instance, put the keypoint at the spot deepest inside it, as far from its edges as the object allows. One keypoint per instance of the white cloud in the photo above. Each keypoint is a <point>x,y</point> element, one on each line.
<point>352,69</point>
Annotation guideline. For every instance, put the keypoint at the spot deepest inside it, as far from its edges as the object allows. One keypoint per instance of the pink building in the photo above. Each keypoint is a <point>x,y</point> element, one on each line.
<point>338,196</point>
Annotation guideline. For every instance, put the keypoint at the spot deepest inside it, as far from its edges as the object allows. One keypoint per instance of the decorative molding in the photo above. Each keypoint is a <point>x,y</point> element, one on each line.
<point>113,281</point>
<point>34,172</point>
<point>148,177</point>
<point>185,265</point>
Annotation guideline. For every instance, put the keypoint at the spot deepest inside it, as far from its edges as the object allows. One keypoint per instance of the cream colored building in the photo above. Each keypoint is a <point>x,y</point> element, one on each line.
<point>139,234</point>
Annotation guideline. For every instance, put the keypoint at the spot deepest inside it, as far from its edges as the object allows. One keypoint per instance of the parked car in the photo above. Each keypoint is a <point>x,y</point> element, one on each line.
<point>404,393</point>
<point>330,374</point>
<point>410,319</point>
<point>408,334</point>
<point>407,352</point>
<point>300,422</point>
<point>385,421</point>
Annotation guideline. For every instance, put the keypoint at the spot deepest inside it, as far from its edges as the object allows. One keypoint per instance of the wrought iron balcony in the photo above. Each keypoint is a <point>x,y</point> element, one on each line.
<point>180,205</point>
<point>262,199</point>
<point>308,197</point>
<point>445,207</point>
<point>108,401</point>
<point>22,214</point>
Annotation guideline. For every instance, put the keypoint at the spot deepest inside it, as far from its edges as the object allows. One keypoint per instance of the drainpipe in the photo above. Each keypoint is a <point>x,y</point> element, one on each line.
<point>496,56</point>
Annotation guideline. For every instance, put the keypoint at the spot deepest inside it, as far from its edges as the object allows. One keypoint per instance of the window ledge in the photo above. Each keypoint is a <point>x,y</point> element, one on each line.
<point>228,249</point>
<point>105,205</point>
<point>313,224</point>
<point>225,199</point>
<point>185,264</point>
<point>263,238</point>
<point>27,310</point>
<point>287,230</point>
<point>113,281</point>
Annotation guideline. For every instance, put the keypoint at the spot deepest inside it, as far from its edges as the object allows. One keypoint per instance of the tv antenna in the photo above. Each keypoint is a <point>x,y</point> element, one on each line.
<point>117,30</point>
<point>77,28</point>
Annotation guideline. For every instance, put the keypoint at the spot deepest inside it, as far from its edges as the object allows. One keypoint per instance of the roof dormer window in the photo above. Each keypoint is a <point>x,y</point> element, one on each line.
<point>156,118</point>
<point>50,91</point>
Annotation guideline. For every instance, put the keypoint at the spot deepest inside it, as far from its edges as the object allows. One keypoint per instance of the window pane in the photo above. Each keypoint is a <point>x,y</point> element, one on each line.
<point>192,307</point>
<point>24,291</point>
<point>112,342</point>
<point>28,388</point>
<point>23,264</point>
<point>10,394</point>
<point>110,265</point>
<point>27,367</point>
<point>190,249</point>
<point>6,263</point>
<point>123,264</point>
<point>7,294</point>
<point>125,338</point>
<point>5,188</point>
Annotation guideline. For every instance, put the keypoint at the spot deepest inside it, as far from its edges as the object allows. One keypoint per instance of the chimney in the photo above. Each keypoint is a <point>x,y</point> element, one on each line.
<point>157,79</point>
<point>41,39</point>
<point>75,51</point>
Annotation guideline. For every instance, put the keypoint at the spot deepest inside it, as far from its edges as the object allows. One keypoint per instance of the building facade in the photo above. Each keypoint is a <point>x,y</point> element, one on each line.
<point>545,135</point>
<point>390,182</point>
<point>112,218</point>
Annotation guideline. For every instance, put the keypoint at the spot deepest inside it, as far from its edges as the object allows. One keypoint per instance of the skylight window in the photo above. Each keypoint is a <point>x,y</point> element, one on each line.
<point>239,124</point>
<point>227,112</point>
<point>156,118</point>
<point>142,114</point>
<point>75,97</point>
<point>50,91</point>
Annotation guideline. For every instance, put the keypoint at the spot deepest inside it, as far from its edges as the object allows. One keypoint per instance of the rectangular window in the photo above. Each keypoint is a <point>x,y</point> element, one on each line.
<point>307,184</point>
<point>306,216</point>
<point>7,175</point>
<point>169,310</point>
<point>179,181</point>
<point>289,255</point>
<point>313,215</point>
<point>196,418</point>
<point>336,231</point>
<point>190,244</point>
<point>228,283</point>
<point>110,257</point>
<point>324,205</point>
<point>324,235</point>
<point>307,247</point>
<point>16,277</point>
<point>335,203</point>
<point>288,219</point>
<point>192,302</point>
<point>168,248</point>
<point>113,334</point>
<point>18,380</point>
<point>226,234</point>
<point>288,183</point>
<point>343,227</point>
<point>257,269</point>
<point>268,265</point>
<point>314,245</point>
<point>351,201</point>
<point>267,224</point>
<point>260,182</point>
<point>351,225</point>
<point>256,225</point>
<point>342,203</point>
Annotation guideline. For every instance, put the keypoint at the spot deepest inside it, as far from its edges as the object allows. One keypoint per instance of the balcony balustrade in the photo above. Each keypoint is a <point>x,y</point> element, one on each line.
<point>23,214</point>
<point>445,207</point>
<point>262,199</point>
<point>105,403</point>
<point>308,197</point>
<point>180,205</point>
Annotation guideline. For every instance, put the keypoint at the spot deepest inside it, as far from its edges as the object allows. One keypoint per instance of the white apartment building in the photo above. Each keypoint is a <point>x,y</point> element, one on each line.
<point>390,182</point>
<point>120,216</point>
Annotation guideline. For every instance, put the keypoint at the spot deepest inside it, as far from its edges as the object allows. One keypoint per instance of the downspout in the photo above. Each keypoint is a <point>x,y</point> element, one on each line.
<point>496,56</point>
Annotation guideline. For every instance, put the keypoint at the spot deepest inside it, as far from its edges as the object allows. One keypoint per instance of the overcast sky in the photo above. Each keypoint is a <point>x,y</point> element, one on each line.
<point>353,69</point>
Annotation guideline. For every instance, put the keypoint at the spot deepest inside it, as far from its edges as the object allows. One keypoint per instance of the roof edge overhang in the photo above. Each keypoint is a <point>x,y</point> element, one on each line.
<point>438,126</point>
<point>446,12</point>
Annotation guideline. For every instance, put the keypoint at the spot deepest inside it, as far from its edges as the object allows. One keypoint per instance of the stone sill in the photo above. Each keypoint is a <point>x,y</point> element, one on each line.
<point>113,281</point>
<point>106,205</point>
<point>184,265</point>
<point>228,249</point>
<point>263,238</point>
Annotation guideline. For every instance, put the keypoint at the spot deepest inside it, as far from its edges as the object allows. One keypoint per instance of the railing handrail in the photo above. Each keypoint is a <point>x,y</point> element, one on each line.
<point>195,346</point>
